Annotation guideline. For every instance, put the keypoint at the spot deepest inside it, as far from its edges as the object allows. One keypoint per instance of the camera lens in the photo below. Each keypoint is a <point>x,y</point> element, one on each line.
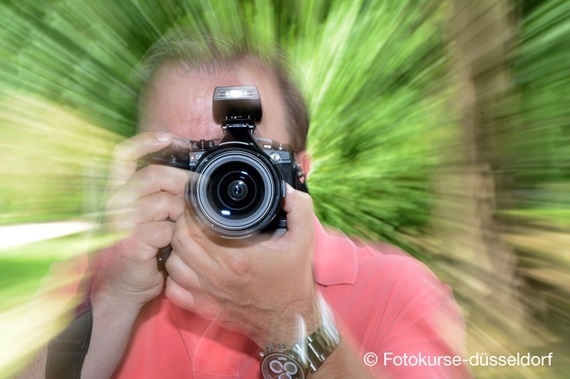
<point>237,193</point>
<point>231,189</point>
<point>237,190</point>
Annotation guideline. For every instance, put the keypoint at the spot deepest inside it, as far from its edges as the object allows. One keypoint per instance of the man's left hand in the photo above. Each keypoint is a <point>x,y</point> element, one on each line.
<point>258,286</point>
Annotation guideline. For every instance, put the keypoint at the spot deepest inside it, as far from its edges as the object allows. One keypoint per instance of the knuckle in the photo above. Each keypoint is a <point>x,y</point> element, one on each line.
<point>167,231</point>
<point>157,235</point>
<point>238,263</point>
<point>119,150</point>
<point>161,207</point>
<point>216,285</point>
<point>305,197</point>
<point>181,206</point>
<point>149,174</point>
<point>173,205</point>
<point>178,240</point>
<point>303,200</point>
<point>158,203</point>
<point>211,309</point>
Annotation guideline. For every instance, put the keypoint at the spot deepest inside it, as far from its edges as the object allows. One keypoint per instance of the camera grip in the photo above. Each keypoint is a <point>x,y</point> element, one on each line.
<point>161,258</point>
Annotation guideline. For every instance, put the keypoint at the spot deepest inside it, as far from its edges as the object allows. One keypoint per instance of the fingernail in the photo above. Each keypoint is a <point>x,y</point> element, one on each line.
<point>163,136</point>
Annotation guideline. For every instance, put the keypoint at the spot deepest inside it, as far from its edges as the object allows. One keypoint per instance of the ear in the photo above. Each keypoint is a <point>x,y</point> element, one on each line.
<point>304,161</point>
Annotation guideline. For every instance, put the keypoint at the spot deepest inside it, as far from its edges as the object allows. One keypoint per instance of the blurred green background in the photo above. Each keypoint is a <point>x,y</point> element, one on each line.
<point>440,126</point>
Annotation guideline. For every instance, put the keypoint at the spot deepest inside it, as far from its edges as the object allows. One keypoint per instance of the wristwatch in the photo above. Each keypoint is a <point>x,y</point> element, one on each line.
<point>295,362</point>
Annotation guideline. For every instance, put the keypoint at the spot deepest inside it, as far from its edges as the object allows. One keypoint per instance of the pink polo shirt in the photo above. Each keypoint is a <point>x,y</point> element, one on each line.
<point>386,304</point>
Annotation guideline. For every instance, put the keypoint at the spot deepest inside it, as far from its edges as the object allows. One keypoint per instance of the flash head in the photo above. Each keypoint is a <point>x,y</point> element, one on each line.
<point>234,104</point>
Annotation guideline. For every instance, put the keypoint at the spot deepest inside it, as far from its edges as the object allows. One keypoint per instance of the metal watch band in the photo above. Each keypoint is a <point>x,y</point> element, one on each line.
<point>320,344</point>
<point>311,353</point>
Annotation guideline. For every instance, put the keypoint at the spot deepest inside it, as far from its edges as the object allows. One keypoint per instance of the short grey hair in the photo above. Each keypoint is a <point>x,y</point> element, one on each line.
<point>179,48</point>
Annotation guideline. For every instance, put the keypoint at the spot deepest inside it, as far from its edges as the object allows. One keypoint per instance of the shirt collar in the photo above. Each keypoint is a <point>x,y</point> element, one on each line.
<point>335,258</point>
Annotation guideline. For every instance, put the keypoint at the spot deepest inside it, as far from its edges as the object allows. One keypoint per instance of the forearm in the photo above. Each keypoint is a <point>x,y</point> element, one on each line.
<point>343,363</point>
<point>113,323</point>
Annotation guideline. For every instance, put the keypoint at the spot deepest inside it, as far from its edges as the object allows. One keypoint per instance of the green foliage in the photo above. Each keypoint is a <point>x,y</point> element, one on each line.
<point>541,146</point>
<point>20,280</point>
<point>377,106</point>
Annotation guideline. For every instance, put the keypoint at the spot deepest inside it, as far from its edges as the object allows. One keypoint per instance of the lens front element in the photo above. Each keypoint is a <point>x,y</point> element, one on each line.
<point>238,192</point>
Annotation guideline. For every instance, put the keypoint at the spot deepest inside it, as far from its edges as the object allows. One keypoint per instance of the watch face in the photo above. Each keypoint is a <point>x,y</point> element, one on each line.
<point>281,366</point>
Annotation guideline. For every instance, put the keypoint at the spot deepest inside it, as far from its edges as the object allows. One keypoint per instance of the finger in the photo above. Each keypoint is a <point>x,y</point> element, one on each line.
<point>299,208</point>
<point>149,180</point>
<point>159,206</point>
<point>200,303</point>
<point>147,238</point>
<point>181,273</point>
<point>186,240</point>
<point>128,152</point>
<point>180,296</point>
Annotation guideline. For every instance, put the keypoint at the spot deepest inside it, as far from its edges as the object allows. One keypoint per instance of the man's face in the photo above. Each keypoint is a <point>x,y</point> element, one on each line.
<point>179,101</point>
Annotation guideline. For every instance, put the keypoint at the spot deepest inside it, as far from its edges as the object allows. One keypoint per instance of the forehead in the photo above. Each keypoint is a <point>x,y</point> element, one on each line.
<point>179,100</point>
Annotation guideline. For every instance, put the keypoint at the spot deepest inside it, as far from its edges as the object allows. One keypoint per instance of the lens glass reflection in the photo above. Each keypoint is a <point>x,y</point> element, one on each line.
<point>236,190</point>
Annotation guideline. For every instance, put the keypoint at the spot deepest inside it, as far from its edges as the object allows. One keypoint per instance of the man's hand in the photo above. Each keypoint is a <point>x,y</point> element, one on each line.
<point>257,286</point>
<point>143,204</point>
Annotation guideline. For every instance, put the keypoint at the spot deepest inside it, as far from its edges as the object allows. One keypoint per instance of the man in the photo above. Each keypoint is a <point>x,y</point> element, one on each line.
<point>225,301</point>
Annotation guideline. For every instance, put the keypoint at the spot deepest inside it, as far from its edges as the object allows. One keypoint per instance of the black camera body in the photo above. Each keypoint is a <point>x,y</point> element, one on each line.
<point>240,186</point>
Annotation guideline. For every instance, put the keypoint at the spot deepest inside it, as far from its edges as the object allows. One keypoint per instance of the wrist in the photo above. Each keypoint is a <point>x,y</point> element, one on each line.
<point>113,304</point>
<point>305,356</point>
<point>289,325</point>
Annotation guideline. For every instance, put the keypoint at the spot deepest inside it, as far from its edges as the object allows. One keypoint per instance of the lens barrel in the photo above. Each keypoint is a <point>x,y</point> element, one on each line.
<point>238,191</point>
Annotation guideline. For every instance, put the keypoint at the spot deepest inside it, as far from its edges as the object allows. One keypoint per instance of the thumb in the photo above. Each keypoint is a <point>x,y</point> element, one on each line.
<point>299,209</point>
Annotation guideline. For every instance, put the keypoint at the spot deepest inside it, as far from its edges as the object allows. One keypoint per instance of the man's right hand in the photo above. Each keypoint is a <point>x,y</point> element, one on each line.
<point>144,205</point>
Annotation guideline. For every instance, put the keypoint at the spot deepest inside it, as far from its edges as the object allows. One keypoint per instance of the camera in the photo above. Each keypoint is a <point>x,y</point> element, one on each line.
<point>240,186</point>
